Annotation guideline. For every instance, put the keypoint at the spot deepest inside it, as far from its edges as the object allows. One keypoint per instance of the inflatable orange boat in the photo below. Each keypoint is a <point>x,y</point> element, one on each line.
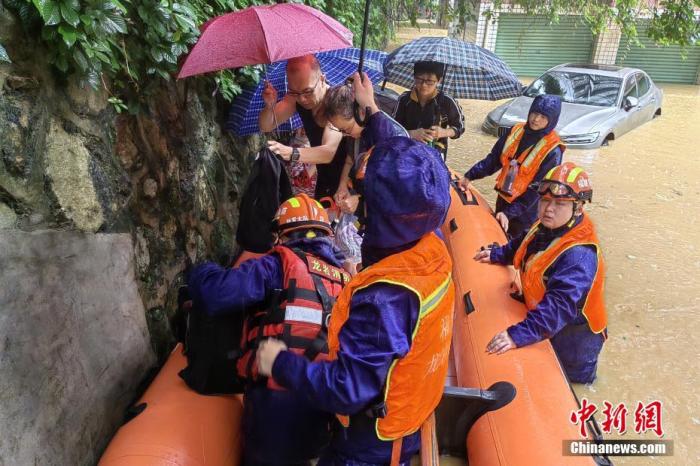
<point>529,430</point>
<point>177,427</point>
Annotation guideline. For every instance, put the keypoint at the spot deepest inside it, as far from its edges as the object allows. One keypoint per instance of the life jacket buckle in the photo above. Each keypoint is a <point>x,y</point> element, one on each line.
<point>378,411</point>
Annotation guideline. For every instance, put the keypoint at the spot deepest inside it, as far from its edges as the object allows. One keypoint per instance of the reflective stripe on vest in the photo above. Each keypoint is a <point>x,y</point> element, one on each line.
<point>533,270</point>
<point>529,160</point>
<point>415,382</point>
<point>298,316</point>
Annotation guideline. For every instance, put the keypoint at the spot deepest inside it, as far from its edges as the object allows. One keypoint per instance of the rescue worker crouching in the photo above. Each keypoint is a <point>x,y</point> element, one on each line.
<point>288,295</point>
<point>562,274</point>
<point>390,331</point>
<point>523,155</point>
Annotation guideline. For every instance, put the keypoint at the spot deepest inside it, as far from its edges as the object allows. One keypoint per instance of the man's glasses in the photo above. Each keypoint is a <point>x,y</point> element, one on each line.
<point>346,131</point>
<point>426,82</point>
<point>305,93</point>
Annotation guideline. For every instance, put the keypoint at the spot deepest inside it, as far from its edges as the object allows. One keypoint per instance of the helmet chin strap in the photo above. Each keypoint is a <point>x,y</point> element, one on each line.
<point>577,205</point>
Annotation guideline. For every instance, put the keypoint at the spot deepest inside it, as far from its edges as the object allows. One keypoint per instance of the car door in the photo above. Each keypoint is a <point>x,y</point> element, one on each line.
<point>630,117</point>
<point>647,99</point>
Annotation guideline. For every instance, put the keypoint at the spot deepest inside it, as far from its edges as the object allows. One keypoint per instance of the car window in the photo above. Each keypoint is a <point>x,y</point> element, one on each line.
<point>643,84</point>
<point>630,88</point>
<point>578,88</point>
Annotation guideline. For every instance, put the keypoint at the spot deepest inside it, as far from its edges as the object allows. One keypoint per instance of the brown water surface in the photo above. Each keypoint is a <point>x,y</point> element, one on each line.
<point>646,205</point>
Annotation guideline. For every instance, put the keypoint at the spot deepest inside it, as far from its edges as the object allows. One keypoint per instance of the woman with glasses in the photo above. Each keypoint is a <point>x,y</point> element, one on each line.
<point>524,154</point>
<point>562,274</point>
<point>429,115</point>
<point>339,111</point>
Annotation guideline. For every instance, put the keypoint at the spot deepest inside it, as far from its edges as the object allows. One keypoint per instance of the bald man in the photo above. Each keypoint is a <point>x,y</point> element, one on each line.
<point>306,88</point>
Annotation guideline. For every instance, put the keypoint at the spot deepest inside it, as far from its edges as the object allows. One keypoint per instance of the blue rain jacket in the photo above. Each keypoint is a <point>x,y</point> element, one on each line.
<point>522,212</point>
<point>380,126</point>
<point>407,197</point>
<point>558,316</point>
<point>280,427</point>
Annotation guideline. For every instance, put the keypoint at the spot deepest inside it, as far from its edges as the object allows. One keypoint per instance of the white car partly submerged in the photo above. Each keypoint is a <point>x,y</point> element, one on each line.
<point>600,103</point>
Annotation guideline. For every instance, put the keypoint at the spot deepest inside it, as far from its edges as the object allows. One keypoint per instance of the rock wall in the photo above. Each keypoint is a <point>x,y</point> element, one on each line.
<point>73,344</point>
<point>161,187</point>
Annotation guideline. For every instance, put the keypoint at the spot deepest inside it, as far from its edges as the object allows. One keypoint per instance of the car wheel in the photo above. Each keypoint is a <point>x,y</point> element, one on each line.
<point>608,138</point>
<point>657,112</point>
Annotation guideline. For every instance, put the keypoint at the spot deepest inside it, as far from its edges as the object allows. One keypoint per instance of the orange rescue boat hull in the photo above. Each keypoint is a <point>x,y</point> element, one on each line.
<point>529,430</point>
<point>179,427</point>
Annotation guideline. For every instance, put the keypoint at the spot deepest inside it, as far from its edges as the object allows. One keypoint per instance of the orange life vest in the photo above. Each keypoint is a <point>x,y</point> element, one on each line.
<point>415,382</point>
<point>529,160</point>
<point>533,270</point>
<point>298,314</point>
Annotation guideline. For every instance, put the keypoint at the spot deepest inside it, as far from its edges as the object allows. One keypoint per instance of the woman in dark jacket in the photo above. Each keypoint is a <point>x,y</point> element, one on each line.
<point>524,155</point>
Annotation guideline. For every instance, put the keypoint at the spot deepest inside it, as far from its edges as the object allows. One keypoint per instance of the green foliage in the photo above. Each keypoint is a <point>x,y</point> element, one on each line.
<point>4,57</point>
<point>118,104</point>
<point>671,23</point>
<point>676,23</point>
<point>134,44</point>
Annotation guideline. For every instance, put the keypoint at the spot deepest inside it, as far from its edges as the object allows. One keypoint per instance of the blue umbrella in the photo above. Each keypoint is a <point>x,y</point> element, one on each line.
<point>471,72</point>
<point>337,65</point>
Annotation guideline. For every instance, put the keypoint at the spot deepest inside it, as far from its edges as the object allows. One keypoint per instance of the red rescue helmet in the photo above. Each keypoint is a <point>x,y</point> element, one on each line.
<point>301,213</point>
<point>566,181</point>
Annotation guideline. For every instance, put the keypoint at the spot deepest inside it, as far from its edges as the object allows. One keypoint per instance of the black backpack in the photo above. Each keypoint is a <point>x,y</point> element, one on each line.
<point>268,186</point>
<point>212,347</point>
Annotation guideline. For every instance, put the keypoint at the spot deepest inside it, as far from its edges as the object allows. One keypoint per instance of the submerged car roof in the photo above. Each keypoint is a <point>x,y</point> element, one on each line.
<point>591,68</point>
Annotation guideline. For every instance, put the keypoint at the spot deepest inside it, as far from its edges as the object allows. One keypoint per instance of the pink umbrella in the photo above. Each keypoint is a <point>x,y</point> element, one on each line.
<point>263,34</point>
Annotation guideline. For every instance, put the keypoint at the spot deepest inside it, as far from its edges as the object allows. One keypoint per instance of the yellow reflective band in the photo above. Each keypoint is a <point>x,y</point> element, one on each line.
<point>318,204</point>
<point>435,297</point>
<point>294,202</point>
<point>573,174</point>
<point>549,174</point>
<point>511,138</point>
<point>533,153</point>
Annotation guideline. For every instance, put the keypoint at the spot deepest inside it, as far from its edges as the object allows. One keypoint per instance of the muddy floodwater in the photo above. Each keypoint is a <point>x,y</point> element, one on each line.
<point>646,205</point>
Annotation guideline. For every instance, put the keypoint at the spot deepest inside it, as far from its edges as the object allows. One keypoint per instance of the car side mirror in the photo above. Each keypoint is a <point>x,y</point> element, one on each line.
<point>630,102</point>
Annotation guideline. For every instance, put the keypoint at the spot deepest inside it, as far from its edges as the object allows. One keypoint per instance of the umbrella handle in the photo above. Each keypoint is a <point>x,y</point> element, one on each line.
<point>356,107</point>
<point>364,38</point>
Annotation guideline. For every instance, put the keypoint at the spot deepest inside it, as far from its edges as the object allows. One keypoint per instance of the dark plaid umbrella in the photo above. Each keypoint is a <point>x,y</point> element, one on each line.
<point>471,72</point>
<point>337,65</point>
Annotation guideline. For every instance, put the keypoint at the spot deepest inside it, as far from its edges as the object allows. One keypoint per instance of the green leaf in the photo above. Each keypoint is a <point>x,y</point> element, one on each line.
<point>119,6</point>
<point>118,21</point>
<point>185,22</point>
<point>3,55</point>
<point>61,63</point>
<point>102,57</point>
<point>49,11</point>
<point>80,59</point>
<point>70,15</point>
<point>113,22</point>
<point>69,34</point>
<point>157,55</point>
<point>27,13</point>
<point>169,58</point>
<point>43,5</point>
